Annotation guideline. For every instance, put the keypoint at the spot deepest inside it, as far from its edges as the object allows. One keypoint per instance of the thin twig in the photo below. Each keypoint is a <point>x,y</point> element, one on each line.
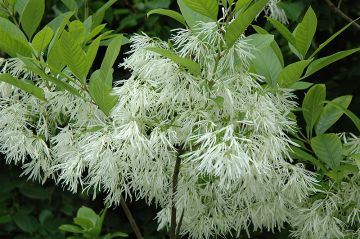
<point>174,190</point>
<point>131,219</point>
<point>341,13</point>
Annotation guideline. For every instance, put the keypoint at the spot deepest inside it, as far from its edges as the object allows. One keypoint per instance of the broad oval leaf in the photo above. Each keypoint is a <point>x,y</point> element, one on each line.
<point>13,41</point>
<point>23,85</point>
<point>42,39</point>
<point>192,66</point>
<point>207,8</point>
<point>192,17</point>
<point>325,61</point>
<point>25,222</point>
<point>31,16</point>
<point>331,114</point>
<point>283,30</point>
<point>328,149</point>
<point>292,73</point>
<point>313,105</point>
<point>239,25</point>
<point>305,31</point>
<point>170,13</point>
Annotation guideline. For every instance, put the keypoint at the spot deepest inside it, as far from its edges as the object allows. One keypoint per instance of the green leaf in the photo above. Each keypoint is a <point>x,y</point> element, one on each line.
<point>239,25</point>
<point>328,149</point>
<point>313,105</point>
<point>297,153</point>
<point>192,18</point>
<point>91,53</point>
<point>31,16</point>
<point>73,55</point>
<point>70,4</point>
<point>304,32</point>
<point>283,31</point>
<point>110,57</point>
<point>241,3</point>
<point>342,172</point>
<point>219,101</point>
<point>192,66</point>
<point>170,13</point>
<point>77,31</point>
<point>322,45</point>
<point>207,8</point>
<point>331,114</point>
<point>101,92</point>
<point>70,228</point>
<point>4,219</point>
<point>13,41</point>
<point>42,39</point>
<point>34,191</point>
<point>348,113</point>
<point>325,61</point>
<point>57,25</point>
<point>292,73</point>
<point>98,16</point>
<point>84,223</point>
<point>25,222</point>
<point>301,85</point>
<point>118,234</point>
<point>23,85</point>
<point>95,32</point>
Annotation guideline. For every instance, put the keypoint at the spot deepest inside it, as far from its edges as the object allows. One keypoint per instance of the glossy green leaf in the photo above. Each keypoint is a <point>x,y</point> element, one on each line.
<point>325,61</point>
<point>110,57</point>
<point>292,73</point>
<point>23,85</point>
<point>322,45</point>
<point>241,3</point>
<point>283,31</point>
<point>305,31</point>
<point>73,55</point>
<point>328,148</point>
<point>298,153</point>
<point>207,8</point>
<point>313,105</point>
<point>57,25</point>
<point>331,114</point>
<point>192,17</point>
<point>348,113</point>
<point>42,39</point>
<point>13,41</point>
<point>192,66</point>
<point>170,13</point>
<point>31,16</point>
<point>239,25</point>
<point>102,93</point>
<point>91,53</point>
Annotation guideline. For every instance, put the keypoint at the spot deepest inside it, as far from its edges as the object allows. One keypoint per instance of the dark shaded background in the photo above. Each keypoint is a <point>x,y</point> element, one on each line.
<point>28,210</point>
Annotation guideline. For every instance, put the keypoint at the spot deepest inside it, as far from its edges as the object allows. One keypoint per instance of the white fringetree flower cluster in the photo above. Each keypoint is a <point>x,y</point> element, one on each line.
<point>210,144</point>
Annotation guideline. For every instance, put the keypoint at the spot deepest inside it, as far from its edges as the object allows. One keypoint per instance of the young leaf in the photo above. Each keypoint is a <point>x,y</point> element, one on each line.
<point>170,13</point>
<point>325,61</point>
<point>23,85</point>
<point>13,41</point>
<point>73,55</point>
<point>322,45</point>
<point>42,39</point>
<point>300,85</point>
<point>239,25</point>
<point>328,148</point>
<point>283,31</point>
<point>192,66</point>
<point>101,93</point>
<point>331,114</point>
<point>70,228</point>
<point>313,105</point>
<point>31,16</point>
<point>192,17</point>
<point>292,73</point>
<point>305,31</point>
<point>207,8</point>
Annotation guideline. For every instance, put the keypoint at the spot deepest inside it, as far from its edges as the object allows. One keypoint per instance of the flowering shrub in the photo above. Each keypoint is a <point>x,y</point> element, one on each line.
<point>204,126</point>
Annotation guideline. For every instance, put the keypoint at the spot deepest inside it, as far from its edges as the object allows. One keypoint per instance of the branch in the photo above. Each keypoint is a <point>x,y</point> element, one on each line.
<point>341,13</point>
<point>174,190</point>
<point>131,219</point>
